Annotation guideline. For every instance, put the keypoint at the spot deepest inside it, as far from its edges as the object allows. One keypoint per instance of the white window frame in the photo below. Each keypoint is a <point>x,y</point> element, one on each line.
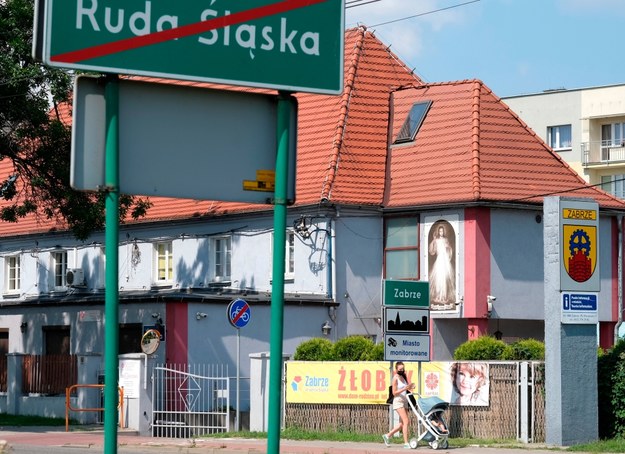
<point>614,184</point>
<point>616,134</point>
<point>59,269</point>
<point>555,140</point>
<point>13,273</point>
<point>222,258</point>
<point>163,251</point>
<point>102,267</point>
<point>289,254</point>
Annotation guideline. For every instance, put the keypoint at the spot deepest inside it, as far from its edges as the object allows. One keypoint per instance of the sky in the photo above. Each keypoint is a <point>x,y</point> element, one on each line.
<point>514,46</point>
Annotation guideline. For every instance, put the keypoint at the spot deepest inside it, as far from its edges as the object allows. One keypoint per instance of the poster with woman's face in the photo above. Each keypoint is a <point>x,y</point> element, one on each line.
<point>442,266</point>
<point>469,383</point>
<point>459,383</point>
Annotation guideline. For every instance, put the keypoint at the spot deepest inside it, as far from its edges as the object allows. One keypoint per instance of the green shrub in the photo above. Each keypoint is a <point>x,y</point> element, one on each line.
<point>316,349</point>
<point>482,348</point>
<point>611,391</point>
<point>374,354</point>
<point>525,350</point>
<point>351,348</point>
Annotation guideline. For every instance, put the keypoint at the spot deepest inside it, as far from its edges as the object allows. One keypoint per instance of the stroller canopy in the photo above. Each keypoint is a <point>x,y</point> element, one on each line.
<point>427,404</point>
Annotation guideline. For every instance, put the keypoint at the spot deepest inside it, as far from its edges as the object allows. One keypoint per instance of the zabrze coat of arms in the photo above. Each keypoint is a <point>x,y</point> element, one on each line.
<point>579,251</point>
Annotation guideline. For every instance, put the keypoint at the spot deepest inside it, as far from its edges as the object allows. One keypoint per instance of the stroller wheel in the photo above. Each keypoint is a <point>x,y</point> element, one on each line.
<point>413,443</point>
<point>444,444</point>
<point>434,444</point>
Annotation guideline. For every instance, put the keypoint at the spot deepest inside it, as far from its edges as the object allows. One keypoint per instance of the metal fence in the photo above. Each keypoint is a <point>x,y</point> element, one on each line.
<point>500,419</point>
<point>190,400</point>
<point>48,374</point>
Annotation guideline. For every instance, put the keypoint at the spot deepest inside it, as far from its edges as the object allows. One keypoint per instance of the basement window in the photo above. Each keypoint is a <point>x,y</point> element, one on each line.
<point>412,124</point>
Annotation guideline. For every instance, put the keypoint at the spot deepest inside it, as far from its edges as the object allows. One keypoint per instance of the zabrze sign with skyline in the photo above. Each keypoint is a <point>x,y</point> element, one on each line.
<point>294,45</point>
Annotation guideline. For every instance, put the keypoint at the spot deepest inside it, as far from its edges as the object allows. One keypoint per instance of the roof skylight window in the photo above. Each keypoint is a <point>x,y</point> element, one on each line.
<point>412,124</point>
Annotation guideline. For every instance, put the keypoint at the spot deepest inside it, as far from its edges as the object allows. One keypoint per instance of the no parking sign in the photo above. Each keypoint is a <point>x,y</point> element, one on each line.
<point>239,313</point>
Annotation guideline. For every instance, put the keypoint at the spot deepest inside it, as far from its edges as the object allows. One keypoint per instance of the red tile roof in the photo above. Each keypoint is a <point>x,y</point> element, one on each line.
<point>342,140</point>
<point>470,148</point>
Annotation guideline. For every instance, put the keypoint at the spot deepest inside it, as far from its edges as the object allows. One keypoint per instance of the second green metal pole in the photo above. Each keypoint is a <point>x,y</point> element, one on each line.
<point>277,286</point>
<point>111,305</point>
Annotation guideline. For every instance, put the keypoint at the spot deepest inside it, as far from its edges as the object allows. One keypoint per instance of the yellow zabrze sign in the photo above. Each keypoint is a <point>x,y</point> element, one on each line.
<point>580,269</point>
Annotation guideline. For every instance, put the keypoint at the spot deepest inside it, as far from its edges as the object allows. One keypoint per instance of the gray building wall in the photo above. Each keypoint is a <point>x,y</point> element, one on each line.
<point>517,264</point>
<point>358,253</point>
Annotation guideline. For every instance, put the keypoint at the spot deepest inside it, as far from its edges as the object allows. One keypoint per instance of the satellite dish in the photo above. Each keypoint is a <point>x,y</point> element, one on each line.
<point>150,341</point>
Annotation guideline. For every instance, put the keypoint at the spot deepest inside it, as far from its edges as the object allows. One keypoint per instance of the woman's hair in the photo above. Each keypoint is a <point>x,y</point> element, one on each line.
<point>473,369</point>
<point>398,363</point>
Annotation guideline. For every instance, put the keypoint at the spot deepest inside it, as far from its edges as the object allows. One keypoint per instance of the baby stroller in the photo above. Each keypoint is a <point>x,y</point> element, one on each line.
<point>431,426</point>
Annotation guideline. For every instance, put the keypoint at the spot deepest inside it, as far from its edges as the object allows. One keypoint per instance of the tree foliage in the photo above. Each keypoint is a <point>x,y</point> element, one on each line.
<point>36,140</point>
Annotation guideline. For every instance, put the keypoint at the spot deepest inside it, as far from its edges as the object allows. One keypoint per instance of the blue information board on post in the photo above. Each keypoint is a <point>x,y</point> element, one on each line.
<point>580,308</point>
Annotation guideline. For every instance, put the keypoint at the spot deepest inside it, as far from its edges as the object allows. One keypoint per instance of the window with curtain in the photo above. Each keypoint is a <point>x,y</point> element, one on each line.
<point>13,274</point>
<point>614,184</point>
<point>164,262</point>
<point>559,137</point>
<point>59,265</point>
<point>289,254</point>
<point>222,258</point>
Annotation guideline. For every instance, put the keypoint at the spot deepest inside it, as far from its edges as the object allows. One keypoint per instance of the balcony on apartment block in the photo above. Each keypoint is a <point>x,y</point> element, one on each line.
<point>603,153</point>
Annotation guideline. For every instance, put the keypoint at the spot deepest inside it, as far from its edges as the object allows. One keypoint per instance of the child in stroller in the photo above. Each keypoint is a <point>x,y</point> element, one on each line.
<point>429,412</point>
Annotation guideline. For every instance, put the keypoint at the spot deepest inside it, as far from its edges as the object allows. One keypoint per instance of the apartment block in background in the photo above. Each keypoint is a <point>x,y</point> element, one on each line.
<point>585,127</point>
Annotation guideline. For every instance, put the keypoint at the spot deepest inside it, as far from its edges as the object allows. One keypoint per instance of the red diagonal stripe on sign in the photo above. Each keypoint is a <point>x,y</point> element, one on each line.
<point>240,314</point>
<point>181,32</point>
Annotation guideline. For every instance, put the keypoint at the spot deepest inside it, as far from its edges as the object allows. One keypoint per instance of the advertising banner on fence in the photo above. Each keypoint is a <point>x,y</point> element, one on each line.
<point>459,383</point>
<point>367,382</point>
<point>327,382</point>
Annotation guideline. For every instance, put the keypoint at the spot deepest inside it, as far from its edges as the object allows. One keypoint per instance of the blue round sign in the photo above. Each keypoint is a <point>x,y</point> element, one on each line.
<point>239,313</point>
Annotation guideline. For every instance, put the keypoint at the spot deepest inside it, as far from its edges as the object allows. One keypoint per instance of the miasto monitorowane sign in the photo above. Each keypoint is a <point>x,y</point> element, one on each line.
<point>294,45</point>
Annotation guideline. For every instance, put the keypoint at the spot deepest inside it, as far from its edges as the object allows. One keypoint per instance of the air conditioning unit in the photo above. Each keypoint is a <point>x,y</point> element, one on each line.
<point>75,277</point>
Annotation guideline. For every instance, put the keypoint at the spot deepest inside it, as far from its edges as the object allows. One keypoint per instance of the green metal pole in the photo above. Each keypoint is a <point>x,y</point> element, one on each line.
<point>277,285</point>
<point>111,305</point>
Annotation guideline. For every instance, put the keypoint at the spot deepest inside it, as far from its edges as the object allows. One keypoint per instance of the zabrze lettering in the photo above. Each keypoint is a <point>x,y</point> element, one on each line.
<point>403,293</point>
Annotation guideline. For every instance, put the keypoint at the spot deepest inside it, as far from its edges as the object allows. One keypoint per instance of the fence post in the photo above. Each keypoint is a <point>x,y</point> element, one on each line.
<point>523,403</point>
<point>14,382</point>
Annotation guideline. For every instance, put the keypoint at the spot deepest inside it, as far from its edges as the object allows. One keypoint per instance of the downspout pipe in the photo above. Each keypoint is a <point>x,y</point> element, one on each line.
<point>619,321</point>
<point>330,258</point>
<point>332,275</point>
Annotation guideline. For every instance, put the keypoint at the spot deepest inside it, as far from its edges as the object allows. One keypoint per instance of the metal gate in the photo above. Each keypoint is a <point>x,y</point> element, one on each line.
<point>190,400</point>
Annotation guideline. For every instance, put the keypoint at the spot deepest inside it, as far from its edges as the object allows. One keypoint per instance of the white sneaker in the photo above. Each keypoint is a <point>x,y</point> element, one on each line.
<point>387,442</point>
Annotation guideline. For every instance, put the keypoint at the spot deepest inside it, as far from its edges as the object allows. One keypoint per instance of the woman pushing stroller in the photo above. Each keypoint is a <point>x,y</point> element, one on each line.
<point>400,387</point>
